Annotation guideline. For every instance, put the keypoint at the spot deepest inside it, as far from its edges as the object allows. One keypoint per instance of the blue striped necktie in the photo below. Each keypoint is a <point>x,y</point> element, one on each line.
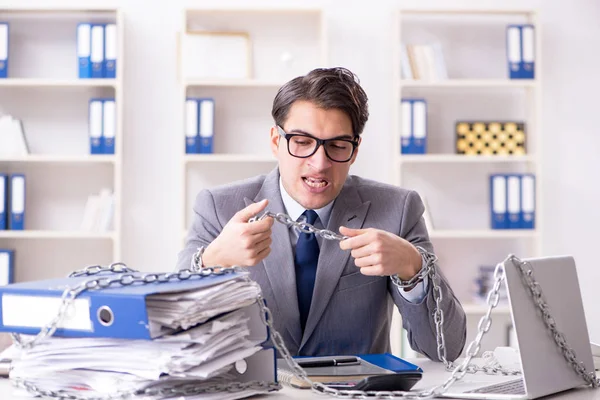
<point>307,256</point>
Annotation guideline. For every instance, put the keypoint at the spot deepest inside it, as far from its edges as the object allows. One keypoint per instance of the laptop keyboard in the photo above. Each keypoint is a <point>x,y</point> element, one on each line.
<point>510,387</point>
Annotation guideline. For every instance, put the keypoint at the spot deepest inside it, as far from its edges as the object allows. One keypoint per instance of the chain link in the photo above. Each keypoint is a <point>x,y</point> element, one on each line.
<point>129,277</point>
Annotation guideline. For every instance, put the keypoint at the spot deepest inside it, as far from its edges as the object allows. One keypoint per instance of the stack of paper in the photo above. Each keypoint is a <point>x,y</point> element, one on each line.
<point>202,337</point>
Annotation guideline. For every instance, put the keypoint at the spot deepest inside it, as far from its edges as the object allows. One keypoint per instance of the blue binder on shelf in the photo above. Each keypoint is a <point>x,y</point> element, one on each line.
<point>513,201</point>
<point>3,202</point>
<point>192,135</point>
<point>109,125</point>
<point>498,201</point>
<point>95,126</point>
<point>528,201</point>
<point>110,54</point>
<point>84,48</point>
<point>4,44</point>
<point>115,312</point>
<point>7,266</point>
<point>17,202</point>
<point>528,51</point>
<point>97,51</point>
<point>206,128</point>
<point>414,126</point>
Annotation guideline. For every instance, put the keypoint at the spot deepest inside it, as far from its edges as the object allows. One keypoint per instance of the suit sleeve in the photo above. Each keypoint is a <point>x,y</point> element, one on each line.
<point>205,228</point>
<point>417,318</point>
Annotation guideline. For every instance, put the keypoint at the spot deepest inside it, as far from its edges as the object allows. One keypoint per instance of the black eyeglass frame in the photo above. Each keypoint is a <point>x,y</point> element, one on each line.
<point>320,142</point>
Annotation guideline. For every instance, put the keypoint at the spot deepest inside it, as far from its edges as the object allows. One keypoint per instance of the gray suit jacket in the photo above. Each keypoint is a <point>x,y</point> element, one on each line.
<point>350,313</point>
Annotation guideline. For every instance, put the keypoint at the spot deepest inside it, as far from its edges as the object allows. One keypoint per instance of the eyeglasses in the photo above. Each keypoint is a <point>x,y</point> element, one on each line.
<point>304,146</point>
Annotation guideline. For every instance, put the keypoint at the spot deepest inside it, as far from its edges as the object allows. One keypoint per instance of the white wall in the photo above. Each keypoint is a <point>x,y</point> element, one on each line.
<point>360,37</point>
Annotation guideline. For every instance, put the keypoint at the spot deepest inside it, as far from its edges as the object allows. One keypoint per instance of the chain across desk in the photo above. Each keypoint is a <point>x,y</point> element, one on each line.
<point>434,373</point>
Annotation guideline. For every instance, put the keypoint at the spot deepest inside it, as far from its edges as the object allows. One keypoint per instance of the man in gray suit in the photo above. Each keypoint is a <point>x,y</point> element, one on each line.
<point>327,297</point>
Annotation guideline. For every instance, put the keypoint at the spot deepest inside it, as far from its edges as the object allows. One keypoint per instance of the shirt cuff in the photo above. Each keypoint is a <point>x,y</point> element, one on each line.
<point>418,293</point>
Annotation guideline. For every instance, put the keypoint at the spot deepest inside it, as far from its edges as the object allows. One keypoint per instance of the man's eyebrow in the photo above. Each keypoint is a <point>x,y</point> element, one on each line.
<point>300,131</point>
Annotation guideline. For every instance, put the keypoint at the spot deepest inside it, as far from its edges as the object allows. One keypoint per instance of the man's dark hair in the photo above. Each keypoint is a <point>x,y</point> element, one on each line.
<point>327,88</point>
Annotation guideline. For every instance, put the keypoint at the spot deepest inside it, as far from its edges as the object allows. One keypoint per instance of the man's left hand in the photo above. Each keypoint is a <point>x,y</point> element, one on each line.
<point>380,253</point>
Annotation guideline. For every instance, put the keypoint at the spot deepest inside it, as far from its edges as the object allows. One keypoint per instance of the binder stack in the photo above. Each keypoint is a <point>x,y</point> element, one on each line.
<point>97,50</point>
<point>12,202</point>
<point>520,51</point>
<point>190,336</point>
<point>199,125</point>
<point>102,125</point>
<point>512,201</point>
<point>414,126</point>
<point>7,266</point>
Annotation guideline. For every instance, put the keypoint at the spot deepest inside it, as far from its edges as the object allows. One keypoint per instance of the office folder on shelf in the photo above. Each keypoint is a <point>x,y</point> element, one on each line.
<point>498,197</point>
<point>110,54</point>
<point>4,44</point>
<point>3,202</point>
<point>17,202</point>
<point>97,51</point>
<point>513,202</point>
<point>96,120</point>
<point>414,126</point>
<point>343,372</point>
<point>192,136</point>
<point>528,201</point>
<point>84,48</point>
<point>206,129</point>
<point>528,51</point>
<point>127,312</point>
<point>7,266</point>
<point>109,125</point>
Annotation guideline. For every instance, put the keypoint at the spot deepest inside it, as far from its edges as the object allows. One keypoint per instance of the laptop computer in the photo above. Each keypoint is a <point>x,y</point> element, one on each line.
<point>544,369</point>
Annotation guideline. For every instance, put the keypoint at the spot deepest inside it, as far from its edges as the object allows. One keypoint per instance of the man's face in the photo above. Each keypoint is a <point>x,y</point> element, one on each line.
<point>314,181</point>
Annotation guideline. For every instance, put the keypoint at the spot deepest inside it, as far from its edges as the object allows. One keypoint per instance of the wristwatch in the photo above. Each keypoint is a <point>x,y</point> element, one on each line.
<point>197,263</point>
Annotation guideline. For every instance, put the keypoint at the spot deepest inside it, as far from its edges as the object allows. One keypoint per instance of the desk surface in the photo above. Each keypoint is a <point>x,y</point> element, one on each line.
<point>434,374</point>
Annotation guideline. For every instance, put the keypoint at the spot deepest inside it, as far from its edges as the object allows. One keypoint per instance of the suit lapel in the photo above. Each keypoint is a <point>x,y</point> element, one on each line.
<point>279,265</point>
<point>349,211</point>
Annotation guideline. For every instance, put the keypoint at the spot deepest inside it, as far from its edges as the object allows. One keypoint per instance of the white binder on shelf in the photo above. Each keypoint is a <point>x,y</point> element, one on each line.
<point>109,125</point>
<point>110,57</point>
<point>406,129</point>
<point>528,201</point>
<point>528,51</point>
<point>3,202</point>
<point>7,266</point>
<point>192,135</point>
<point>12,137</point>
<point>207,125</point>
<point>513,51</point>
<point>419,139</point>
<point>97,51</point>
<point>17,202</point>
<point>498,199</point>
<point>3,50</point>
<point>84,49</point>
<point>513,203</point>
<point>95,126</point>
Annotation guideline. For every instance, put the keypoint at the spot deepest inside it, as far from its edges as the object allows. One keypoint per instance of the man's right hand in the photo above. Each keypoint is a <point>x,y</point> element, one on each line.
<point>241,243</point>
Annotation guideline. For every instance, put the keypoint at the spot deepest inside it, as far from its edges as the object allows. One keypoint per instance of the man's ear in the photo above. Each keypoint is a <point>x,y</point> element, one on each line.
<point>356,151</point>
<point>275,137</point>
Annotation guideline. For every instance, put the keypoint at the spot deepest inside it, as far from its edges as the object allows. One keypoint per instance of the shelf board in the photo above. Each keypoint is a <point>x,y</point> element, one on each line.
<point>32,234</point>
<point>483,234</point>
<point>58,159</point>
<point>233,83</point>
<point>225,158</point>
<point>468,83</point>
<point>458,11</point>
<point>457,158</point>
<point>41,82</point>
<point>473,308</point>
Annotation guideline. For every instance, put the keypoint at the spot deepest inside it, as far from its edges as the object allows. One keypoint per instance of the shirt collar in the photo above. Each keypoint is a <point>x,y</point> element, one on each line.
<point>294,209</point>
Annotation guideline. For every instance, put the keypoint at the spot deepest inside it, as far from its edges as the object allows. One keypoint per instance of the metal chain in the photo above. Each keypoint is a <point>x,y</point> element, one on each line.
<point>538,299</point>
<point>429,270</point>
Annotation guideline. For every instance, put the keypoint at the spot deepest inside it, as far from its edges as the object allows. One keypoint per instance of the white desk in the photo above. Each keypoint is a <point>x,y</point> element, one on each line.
<point>434,374</point>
